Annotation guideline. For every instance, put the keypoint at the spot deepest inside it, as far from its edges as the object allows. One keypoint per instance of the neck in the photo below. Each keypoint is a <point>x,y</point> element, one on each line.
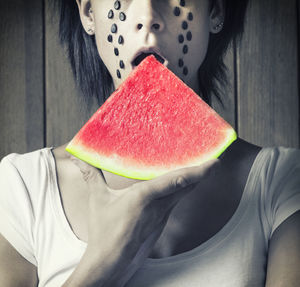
<point>193,83</point>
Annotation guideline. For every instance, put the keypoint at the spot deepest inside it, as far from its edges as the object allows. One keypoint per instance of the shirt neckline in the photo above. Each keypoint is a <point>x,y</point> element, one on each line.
<point>226,230</point>
<point>216,239</point>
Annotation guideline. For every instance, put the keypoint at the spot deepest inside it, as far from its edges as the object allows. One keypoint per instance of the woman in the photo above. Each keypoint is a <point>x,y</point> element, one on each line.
<point>230,222</point>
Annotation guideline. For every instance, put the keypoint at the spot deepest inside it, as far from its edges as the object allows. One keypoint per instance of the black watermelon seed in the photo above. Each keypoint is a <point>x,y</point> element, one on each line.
<point>185,49</point>
<point>121,40</point>
<point>117,5</point>
<point>180,63</point>
<point>189,35</point>
<point>182,3</point>
<point>118,74</point>
<point>109,38</point>
<point>184,25</point>
<point>122,16</point>
<point>185,71</point>
<point>176,11</point>
<point>122,66</point>
<point>190,16</point>
<point>114,28</point>
<point>110,14</point>
<point>180,38</point>
<point>116,51</point>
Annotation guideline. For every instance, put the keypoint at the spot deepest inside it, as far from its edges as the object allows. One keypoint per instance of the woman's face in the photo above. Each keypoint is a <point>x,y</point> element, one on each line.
<point>177,30</point>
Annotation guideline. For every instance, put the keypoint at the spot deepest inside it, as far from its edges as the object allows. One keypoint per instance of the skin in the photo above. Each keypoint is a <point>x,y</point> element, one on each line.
<point>188,219</point>
<point>165,37</point>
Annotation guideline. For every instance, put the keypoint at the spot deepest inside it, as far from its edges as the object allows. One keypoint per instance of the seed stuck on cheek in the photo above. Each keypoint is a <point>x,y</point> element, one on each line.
<point>184,25</point>
<point>114,28</point>
<point>185,49</point>
<point>180,38</point>
<point>176,11</point>
<point>185,71</point>
<point>110,14</point>
<point>180,63</point>
<point>190,16</point>
<point>117,5</point>
<point>121,40</point>
<point>122,16</point>
<point>118,74</point>
<point>122,66</point>
<point>110,38</point>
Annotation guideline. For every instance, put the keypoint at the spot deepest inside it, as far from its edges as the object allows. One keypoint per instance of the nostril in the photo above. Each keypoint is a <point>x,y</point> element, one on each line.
<point>156,26</point>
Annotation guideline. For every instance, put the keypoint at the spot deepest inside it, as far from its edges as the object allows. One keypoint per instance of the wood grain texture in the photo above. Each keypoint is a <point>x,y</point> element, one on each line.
<point>267,78</point>
<point>268,103</point>
<point>21,76</point>
<point>65,111</point>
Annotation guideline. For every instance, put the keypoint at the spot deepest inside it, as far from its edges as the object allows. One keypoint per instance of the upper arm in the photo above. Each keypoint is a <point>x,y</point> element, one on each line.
<point>284,254</point>
<point>15,270</point>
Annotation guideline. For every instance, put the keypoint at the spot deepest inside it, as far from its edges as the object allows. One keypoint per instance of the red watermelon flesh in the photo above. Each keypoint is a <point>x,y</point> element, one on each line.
<point>152,124</point>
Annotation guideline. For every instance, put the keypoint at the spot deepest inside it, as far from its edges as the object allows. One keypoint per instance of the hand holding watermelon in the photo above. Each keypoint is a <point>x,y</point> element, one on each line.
<point>123,225</point>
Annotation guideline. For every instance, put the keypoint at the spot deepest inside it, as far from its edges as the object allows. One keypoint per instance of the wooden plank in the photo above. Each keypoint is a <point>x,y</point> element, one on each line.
<point>21,76</point>
<point>66,113</point>
<point>298,42</point>
<point>268,104</point>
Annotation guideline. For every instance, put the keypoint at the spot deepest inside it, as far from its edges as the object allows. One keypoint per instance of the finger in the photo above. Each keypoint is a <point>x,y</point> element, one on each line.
<point>176,180</point>
<point>91,174</point>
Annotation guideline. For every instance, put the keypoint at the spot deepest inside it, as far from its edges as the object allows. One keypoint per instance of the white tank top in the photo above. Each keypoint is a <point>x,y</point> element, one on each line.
<point>32,219</point>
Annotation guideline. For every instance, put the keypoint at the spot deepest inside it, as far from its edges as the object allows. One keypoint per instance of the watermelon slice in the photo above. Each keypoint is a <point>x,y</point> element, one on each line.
<point>152,124</point>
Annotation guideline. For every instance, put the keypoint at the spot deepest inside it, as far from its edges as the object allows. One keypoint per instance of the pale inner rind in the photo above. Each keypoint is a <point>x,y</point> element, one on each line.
<point>120,166</point>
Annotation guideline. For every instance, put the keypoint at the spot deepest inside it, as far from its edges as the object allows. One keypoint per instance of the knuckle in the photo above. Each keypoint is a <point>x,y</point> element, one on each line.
<point>179,182</point>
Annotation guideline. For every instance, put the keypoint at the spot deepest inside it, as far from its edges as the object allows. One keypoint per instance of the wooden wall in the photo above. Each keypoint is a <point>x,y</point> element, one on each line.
<point>39,105</point>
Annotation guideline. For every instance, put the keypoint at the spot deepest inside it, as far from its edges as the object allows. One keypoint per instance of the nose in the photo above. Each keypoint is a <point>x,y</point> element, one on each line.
<point>148,18</point>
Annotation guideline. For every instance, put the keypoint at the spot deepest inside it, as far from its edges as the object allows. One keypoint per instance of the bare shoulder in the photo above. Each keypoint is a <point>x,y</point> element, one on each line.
<point>15,270</point>
<point>284,254</point>
<point>61,154</point>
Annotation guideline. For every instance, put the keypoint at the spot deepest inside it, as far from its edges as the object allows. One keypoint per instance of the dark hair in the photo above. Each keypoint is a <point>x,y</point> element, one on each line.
<point>93,77</point>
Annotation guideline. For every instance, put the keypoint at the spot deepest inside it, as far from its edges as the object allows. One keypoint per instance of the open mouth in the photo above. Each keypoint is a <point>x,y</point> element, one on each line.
<point>142,56</point>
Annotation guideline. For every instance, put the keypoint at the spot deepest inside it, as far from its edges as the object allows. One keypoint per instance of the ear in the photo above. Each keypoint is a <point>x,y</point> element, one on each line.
<point>217,16</point>
<point>86,16</point>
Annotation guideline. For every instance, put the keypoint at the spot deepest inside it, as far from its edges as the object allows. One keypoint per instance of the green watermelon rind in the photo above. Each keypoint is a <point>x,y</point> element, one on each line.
<point>114,163</point>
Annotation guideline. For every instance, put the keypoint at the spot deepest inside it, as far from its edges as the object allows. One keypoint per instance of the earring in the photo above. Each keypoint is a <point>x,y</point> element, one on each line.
<point>90,10</point>
<point>91,30</point>
<point>219,26</point>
